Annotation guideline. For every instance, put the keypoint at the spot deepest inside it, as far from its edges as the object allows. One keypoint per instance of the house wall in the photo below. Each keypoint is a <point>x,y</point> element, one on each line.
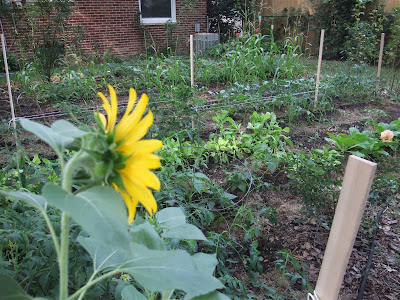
<point>113,25</point>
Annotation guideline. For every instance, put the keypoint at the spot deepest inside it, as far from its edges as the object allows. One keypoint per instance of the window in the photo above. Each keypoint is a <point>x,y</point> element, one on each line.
<point>157,11</point>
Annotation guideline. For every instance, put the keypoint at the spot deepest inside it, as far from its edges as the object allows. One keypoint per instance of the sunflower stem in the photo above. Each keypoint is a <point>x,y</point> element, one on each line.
<point>167,295</point>
<point>93,282</point>
<point>63,257</point>
<point>52,232</point>
<point>63,254</point>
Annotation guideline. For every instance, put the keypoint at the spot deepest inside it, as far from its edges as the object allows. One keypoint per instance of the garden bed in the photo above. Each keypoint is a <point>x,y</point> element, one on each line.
<point>303,237</point>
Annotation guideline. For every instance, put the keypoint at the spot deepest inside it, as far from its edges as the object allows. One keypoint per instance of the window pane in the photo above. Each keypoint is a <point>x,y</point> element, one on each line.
<point>156,8</point>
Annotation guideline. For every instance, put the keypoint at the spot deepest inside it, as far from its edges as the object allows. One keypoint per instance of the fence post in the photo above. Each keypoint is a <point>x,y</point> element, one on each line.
<point>192,70</point>
<point>191,61</point>
<point>380,56</point>
<point>3,46</point>
<point>321,47</point>
<point>349,210</point>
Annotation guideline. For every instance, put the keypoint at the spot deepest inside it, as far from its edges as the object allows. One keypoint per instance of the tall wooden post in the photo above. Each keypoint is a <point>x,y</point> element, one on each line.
<point>191,61</point>
<point>3,46</point>
<point>192,70</point>
<point>350,208</point>
<point>321,48</point>
<point>381,55</point>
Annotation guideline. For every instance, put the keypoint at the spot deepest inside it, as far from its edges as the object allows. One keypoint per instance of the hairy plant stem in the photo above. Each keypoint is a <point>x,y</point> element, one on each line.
<point>90,280</point>
<point>63,255</point>
<point>93,282</point>
<point>52,232</point>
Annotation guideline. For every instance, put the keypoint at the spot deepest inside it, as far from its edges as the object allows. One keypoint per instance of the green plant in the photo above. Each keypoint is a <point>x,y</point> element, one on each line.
<point>293,270</point>
<point>334,17</point>
<point>222,17</point>
<point>267,141</point>
<point>316,178</point>
<point>367,143</point>
<point>143,249</point>
<point>46,38</point>
<point>13,63</point>
<point>227,140</point>
<point>362,45</point>
<point>248,219</point>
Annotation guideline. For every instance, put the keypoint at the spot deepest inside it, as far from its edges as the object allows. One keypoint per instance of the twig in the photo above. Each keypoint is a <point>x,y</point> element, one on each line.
<point>372,249</point>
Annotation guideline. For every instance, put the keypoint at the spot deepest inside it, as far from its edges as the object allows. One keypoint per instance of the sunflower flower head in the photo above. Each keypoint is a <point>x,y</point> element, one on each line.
<point>126,159</point>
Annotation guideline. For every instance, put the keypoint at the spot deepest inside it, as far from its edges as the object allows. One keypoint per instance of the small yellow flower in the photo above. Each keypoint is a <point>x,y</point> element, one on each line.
<point>387,136</point>
<point>127,134</point>
<point>125,277</point>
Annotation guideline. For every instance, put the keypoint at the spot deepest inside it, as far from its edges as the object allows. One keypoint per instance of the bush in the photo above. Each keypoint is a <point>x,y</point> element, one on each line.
<point>13,63</point>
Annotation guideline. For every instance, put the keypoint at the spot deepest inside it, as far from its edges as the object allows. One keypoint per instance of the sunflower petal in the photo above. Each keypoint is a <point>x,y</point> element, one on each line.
<point>130,203</point>
<point>146,146</point>
<point>131,102</point>
<point>129,124</point>
<point>112,118</point>
<point>140,130</point>
<point>141,193</point>
<point>106,104</point>
<point>102,119</point>
<point>140,147</point>
<point>147,178</point>
<point>146,160</point>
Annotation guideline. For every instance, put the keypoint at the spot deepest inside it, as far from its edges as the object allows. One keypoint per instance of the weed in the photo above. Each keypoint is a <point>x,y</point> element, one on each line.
<point>291,269</point>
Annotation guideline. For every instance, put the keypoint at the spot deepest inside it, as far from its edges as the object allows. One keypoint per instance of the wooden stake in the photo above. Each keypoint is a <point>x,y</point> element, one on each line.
<point>350,208</point>
<point>3,46</point>
<point>191,61</point>
<point>321,47</point>
<point>381,55</point>
<point>192,70</point>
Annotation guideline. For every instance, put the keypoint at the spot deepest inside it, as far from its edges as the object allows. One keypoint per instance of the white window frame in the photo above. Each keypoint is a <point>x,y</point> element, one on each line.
<point>153,21</point>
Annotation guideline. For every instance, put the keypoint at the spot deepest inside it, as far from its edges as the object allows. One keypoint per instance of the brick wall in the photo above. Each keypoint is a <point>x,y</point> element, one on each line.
<point>113,25</point>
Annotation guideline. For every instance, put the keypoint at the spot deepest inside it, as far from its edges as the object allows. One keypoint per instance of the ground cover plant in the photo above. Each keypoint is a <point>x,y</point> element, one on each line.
<point>250,173</point>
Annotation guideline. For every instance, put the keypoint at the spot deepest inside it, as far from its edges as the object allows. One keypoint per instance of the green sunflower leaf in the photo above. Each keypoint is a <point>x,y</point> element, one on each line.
<point>103,257</point>
<point>169,270</point>
<point>146,235</point>
<point>11,290</point>
<point>130,293</point>
<point>52,138</point>
<point>205,263</point>
<point>184,232</point>
<point>100,211</point>
<point>36,201</point>
<point>171,217</point>
<point>65,128</point>
<point>212,296</point>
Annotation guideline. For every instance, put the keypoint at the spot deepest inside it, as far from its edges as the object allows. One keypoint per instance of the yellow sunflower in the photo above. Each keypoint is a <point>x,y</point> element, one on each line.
<point>133,178</point>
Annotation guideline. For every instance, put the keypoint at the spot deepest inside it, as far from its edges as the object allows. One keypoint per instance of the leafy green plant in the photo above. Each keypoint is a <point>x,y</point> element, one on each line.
<point>293,270</point>
<point>267,141</point>
<point>367,143</point>
<point>362,45</point>
<point>45,38</point>
<point>316,178</point>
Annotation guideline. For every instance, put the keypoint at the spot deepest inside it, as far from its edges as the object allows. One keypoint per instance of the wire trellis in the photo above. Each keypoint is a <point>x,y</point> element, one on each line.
<point>208,106</point>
